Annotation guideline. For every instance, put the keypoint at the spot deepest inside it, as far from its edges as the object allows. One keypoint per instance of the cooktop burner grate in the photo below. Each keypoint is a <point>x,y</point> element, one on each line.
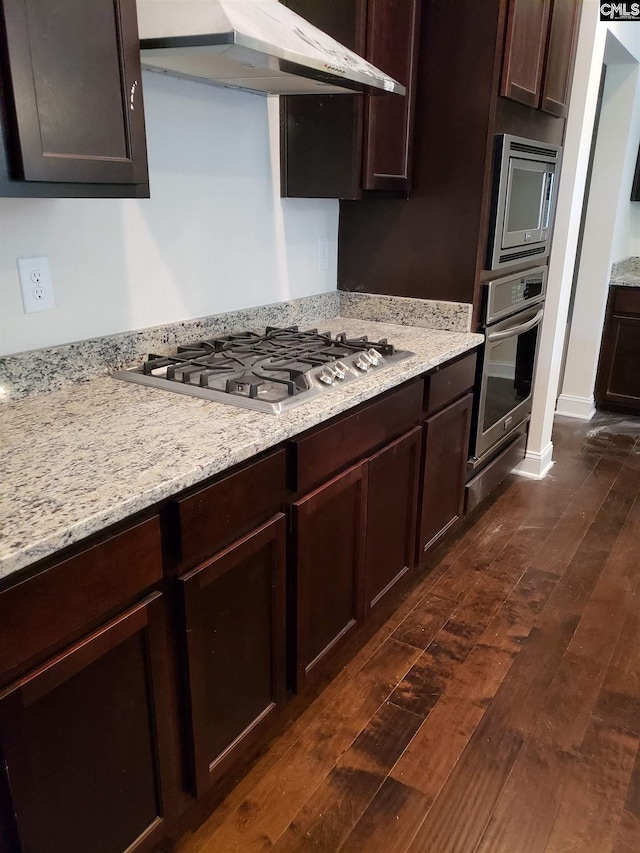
<point>270,372</point>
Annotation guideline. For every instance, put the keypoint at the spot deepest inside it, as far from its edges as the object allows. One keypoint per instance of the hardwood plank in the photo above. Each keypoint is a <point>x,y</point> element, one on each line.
<point>598,484</point>
<point>619,700</point>
<point>632,801</point>
<point>427,680</point>
<point>450,725</point>
<point>390,820</point>
<point>585,567</point>
<point>327,819</point>
<point>459,815</point>
<point>425,620</point>
<point>594,795</point>
<point>526,810</point>
<point>626,840</point>
<point>409,600</point>
<point>628,831</point>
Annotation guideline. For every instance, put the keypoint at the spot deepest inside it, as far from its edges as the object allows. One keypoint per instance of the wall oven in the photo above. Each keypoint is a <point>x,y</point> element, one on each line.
<point>513,312</point>
<point>524,200</point>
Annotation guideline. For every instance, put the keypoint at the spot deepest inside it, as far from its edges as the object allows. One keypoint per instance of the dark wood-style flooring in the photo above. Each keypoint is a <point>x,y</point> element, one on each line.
<point>498,710</point>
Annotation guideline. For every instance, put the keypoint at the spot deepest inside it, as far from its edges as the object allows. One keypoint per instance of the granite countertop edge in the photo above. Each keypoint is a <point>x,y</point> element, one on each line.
<point>626,272</point>
<point>55,437</point>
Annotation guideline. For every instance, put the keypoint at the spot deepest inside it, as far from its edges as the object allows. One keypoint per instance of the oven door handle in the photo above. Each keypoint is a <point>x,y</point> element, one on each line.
<point>516,330</point>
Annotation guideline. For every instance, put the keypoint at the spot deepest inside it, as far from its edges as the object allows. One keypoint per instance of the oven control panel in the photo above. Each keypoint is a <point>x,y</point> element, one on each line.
<point>504,296</point>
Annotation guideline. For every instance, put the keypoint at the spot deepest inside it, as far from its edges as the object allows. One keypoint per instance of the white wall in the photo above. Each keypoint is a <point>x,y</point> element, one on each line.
<point>623,50</point>
<point>214,236</point>
<point>592,41</point>
<point>611,221</point>
<point>577,144</point>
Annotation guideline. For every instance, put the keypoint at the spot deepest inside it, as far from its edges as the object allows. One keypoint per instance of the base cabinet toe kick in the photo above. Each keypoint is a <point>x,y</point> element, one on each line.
<point>141,668</point>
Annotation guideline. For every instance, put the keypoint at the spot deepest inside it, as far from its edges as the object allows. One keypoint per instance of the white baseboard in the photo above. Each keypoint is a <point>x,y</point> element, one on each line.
<point>582,408</point>
<point>535,466</point>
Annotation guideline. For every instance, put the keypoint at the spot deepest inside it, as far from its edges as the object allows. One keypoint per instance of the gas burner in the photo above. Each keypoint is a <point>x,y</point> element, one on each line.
<point>270,372</point>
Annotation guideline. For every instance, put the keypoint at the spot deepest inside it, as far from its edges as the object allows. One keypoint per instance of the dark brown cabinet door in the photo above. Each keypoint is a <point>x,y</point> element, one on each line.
<point>234,619</point>
<point>525,49</point>
<point>446,448</point>
<point>618,380</point>
<point>329,529</point>
<point>83,743</point>
<point>392,499</point>
<point>558,72</point>
<point>74,91</point>
<point>392,45</point>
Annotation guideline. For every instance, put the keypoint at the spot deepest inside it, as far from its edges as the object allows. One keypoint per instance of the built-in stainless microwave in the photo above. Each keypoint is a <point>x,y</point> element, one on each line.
<point>525,186</point>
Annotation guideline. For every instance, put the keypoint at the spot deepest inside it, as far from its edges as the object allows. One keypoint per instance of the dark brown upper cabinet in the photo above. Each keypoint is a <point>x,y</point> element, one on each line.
<point>561,54</point>
<point>342,146</point>
<point>539,53</point>
<point>72,112</point>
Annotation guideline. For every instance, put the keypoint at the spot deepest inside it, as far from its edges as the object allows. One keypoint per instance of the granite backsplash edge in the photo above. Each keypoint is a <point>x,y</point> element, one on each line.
<point>629,265</point>
<point>52,368</point>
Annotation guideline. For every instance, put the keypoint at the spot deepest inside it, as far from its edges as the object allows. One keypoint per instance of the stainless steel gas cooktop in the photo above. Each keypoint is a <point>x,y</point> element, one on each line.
<point>271,372</point>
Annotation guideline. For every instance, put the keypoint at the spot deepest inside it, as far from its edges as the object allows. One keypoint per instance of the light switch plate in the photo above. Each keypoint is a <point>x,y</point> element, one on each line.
<point>36,284</point>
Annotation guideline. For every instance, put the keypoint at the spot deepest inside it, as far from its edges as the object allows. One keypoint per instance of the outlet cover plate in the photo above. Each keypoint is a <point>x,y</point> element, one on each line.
<point>36,284</point>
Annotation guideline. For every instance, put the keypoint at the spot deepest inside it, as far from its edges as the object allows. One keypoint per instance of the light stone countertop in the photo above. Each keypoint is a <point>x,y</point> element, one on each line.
<point>74,461</point>
<point>626,280</point>
<point>626,272</point>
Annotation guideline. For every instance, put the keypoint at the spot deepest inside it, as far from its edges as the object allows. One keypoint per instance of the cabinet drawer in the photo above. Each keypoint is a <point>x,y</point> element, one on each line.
<point>327,450</point>
<point>627,300</point>
<point>449,382</point>
<point>216,515</point>
<point>56,604</point>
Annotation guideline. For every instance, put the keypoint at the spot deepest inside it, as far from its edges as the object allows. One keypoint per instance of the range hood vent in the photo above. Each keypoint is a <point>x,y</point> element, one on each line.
<point>255,45</point>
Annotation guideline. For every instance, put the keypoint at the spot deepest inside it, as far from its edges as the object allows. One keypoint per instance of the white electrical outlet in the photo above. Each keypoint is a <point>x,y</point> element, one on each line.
<point>36,284</point>
<point>323,253</point>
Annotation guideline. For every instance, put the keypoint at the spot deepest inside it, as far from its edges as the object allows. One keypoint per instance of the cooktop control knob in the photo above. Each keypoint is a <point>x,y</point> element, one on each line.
<point>340,370</point>
<point>362,362</point>
<point>374,356</point>
<point>325,376</point>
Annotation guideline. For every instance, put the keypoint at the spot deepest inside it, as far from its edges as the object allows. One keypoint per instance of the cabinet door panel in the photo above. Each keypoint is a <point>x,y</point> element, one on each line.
<point>75,83</point>
<point>618,380</point>
<point>525,48</point>
<point>392,497</point>
<point>329,526</point>
<point>392,46</point>
<point>83,741</point>
<point>558,72</point>
<point>446,448</point>
<point>234,613</point>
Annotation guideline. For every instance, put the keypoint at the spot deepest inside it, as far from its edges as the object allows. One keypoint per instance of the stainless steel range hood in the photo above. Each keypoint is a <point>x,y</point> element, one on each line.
<point>255,45</point>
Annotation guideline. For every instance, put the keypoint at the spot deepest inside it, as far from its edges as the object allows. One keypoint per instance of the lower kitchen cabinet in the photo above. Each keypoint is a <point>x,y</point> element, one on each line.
<point>618,380</point>
<point>83,743</point>
<point>446,448</point>
<point>355,541</point>
<point>330,551</point>
<point>234,633</point>
<point>392,499</point>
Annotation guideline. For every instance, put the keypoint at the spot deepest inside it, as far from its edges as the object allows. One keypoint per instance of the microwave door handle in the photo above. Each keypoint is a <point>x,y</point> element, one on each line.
<point>547,199</point>
<point>516,330</point>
